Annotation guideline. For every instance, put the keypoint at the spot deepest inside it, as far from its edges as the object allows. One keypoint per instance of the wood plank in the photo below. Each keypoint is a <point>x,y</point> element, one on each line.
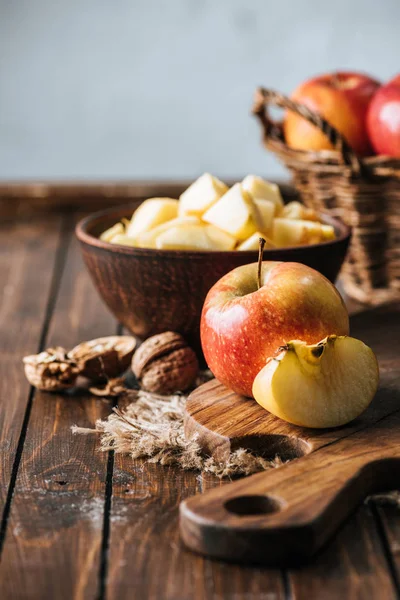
<point>146,558</point>
<point>388,517</point>
<point>25,295</point>
<point>352,566</point>
<point>54,536</point>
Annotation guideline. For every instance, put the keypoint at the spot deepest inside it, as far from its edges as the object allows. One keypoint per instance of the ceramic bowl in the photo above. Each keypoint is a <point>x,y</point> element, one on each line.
<point>150,291</point>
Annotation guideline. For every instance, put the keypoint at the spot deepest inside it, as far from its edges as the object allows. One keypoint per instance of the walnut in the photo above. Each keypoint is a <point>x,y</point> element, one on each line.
<point>111,388</point>
<point>105,357</point>
<point>51,370</point>
<point>164,364</point>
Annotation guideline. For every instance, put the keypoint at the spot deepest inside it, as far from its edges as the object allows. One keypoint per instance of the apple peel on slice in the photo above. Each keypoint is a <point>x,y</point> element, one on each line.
<point>321,385</point>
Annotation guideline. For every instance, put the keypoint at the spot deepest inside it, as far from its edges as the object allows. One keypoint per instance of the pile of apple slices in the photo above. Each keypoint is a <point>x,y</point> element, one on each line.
<point>210,216</point>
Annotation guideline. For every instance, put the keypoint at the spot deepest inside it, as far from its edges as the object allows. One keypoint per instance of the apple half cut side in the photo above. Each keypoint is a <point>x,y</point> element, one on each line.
<point>320,385</point>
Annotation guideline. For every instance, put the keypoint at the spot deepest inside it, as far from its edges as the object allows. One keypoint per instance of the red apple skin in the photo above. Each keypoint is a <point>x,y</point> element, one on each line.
<point>383,119</point>
<point>242,326</point>
<point>343,99</point>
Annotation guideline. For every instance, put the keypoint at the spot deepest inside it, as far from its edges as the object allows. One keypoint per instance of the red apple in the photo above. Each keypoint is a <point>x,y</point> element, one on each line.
<point>343,99</point>
<point>383,119</point>
<point>243,325</point>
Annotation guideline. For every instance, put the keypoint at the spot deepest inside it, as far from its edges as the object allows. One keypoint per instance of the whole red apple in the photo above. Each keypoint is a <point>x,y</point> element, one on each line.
<point>242,325</point>
<point>343,99</point>
<point>383,119</point>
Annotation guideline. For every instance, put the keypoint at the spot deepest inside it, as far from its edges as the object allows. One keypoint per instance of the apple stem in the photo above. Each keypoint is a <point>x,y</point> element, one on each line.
<point>260,258</point>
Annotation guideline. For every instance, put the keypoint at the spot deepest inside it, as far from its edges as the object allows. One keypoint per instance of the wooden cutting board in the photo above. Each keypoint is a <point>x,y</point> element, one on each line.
<point>283,516</point>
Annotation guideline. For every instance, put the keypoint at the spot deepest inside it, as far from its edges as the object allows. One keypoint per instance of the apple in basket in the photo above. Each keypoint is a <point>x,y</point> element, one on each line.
<point>343,99</point>
<point>384,119</point>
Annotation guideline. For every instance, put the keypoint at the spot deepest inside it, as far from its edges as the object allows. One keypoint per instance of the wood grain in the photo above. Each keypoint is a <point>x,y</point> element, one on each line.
<point>26,290</point>
<point>54,534</point>
<point>146,557</point>
<point>222,421</point>
<point>286,515</point>
<point>352,566</point>
<point>54,540</point>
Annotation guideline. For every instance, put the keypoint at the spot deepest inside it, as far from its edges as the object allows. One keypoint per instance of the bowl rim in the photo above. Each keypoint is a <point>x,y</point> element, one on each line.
<point>342,230</point>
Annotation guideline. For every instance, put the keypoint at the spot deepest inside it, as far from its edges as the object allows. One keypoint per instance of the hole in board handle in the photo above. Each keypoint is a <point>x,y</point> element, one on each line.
<point>245,506</point>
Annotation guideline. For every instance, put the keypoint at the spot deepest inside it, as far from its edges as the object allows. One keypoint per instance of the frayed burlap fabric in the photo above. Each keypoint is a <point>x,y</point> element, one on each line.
<point>151,427</point>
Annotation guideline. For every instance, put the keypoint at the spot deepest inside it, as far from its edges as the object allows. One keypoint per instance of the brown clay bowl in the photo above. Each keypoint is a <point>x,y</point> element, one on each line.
<point>151,291</point>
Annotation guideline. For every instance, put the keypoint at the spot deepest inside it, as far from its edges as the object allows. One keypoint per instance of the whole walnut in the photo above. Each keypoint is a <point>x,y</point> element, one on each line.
<point>165,364</point>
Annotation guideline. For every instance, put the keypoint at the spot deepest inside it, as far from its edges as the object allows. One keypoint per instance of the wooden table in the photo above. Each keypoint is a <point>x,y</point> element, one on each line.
<point>78,523</point>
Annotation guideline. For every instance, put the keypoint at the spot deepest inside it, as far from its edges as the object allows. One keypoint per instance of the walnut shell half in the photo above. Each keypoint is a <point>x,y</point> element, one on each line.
<point>165,364</point>
<point>51,370</point>
<point>105,357</point>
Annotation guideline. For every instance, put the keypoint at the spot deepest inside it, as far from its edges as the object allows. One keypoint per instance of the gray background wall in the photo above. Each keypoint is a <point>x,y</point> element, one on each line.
<point>154,88</point>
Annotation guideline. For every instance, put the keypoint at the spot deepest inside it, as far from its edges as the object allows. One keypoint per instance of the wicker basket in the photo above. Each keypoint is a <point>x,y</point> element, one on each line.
<point>365,193</point>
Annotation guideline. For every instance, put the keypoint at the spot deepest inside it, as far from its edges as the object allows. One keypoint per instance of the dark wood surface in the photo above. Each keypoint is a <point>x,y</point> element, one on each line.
<point>80,524</point>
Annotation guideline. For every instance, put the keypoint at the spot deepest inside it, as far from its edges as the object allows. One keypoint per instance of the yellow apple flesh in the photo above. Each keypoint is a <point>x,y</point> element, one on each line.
<point>297,210</point>
<point>258,188</point>
<point>253,242</point>
<point>189,236</point>
<point>147,239</point>
<point>123,240</point>
<point>292,232</point>
<point>201,195</point>
<point>233,213</point>
<point>117,229</point>
<point>150,213</point>
<point>322,385</point>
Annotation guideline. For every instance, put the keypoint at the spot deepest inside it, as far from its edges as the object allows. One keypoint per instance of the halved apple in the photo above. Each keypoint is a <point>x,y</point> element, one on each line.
<point>233,213</point>
<point>201,195</point>
<point>322,385</point>
<point>253,242</point>
<point>150,213</point>
<point>258,188</point>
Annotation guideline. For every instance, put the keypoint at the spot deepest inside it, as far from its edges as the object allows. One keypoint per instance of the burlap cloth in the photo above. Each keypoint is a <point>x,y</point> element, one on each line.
<point>149,426</point>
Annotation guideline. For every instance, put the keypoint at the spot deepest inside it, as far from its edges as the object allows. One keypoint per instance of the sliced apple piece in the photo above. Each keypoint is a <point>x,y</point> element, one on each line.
<point>253,242</point>
<point>264,190</point>
<point>233,213</point>
<point>328,233</point>
<point>322,385</point>
<point>297,210</point>
<point>185,237</point>
<point>263,214</point>
<point>201,195</point>
<point>123,240</point>
<point>116,229</point>
<point>220,240</point>
<point>150,213</point>
<point>147,239</point>
<point>292,232</point>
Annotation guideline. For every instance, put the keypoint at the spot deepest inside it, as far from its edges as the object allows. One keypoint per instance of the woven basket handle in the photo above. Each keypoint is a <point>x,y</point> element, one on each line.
<point>265,98</point>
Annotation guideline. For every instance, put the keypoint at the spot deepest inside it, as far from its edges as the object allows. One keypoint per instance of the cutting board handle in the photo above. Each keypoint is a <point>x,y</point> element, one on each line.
<point>284,515</point>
